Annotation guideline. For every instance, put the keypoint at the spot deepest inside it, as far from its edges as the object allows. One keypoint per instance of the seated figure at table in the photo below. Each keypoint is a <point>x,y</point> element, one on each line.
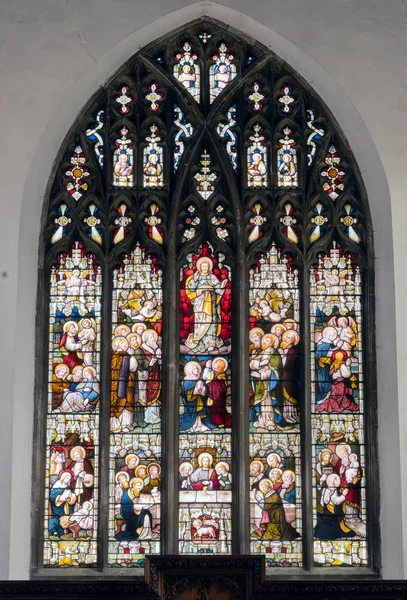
<point>224,477</point>
<point>204,477</point>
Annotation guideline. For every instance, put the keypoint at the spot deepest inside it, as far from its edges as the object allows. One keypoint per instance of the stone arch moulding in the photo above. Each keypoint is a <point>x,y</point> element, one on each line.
<point>375,181</point>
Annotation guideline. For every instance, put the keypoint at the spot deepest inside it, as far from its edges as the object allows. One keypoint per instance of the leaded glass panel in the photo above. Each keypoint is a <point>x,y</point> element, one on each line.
<point>207,286</point>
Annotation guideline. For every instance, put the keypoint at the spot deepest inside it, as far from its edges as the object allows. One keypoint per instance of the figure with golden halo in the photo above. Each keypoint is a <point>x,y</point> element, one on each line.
<point>205,477</point>
<point>70,346</point>
<point>273,461</point>
<point>131,301</point>
<point>61,503</point>
<point>122,479</point>
<point>266,370</point>
<point>290,351</point>
<point>256,169</point>
<point>82,470</point>
<point>256,474</point>
<point>152,353</point>
<point>274,526</point>
<point>131,463</point>
<point>224,477</point>
<point>218,392</point>
<point>194,393</point>
<point>287,491</point>
<point>136,515</point>
<point>123,387</point>
<point>89,386</point>
<point>205,292</point>
<point>340,396</point>
<point>87,336</point>
<point>152,483</point>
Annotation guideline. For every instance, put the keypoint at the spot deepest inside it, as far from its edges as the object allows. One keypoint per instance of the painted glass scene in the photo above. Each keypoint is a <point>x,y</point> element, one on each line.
<point>205,189</point>
<point>287,172</point>
<point>135,410</point>
<point>257,159</point>
<point>205,481</point>
<point>187,71</point>
<point>123,160</point>
<point>221,72</point>
<point>70,528</point>
<point>337,404</point>
<point>153,174</point>
<point>274,399</point>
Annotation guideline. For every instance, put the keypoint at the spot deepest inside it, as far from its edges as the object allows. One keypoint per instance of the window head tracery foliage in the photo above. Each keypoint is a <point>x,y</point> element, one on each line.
<point>206,148</point>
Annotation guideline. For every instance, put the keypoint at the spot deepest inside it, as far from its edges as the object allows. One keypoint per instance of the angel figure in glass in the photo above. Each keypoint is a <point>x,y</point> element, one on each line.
<point>222,72</point>
<point>186,70</point>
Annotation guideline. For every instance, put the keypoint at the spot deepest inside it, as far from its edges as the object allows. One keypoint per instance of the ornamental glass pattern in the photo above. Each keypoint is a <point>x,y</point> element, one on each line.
<point>205,381</point>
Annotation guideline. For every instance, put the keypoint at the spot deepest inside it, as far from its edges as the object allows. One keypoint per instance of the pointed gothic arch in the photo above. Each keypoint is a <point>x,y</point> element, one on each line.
<point>263,213</point>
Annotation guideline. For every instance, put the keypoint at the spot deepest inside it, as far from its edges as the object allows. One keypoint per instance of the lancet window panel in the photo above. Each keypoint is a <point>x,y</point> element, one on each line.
<point>206,371</point>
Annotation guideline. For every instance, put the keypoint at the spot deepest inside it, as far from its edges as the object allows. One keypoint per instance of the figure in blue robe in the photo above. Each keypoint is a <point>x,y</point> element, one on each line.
<point>54,526</point>
<point>331,524</point>
<point>267,391</point>
<point>324,380</point>
<point>289,495</point>
<point>195,405</point>
<point>133,520</point>
<point>89,390</point>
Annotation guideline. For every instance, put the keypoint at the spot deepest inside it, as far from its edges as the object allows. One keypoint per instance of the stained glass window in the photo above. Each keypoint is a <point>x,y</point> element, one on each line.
<point>205,490</point>
<point>72,453</point>
<point>274,400</point>
<point>207,381</point>
<point>337,409</point>
<point>135,408</point>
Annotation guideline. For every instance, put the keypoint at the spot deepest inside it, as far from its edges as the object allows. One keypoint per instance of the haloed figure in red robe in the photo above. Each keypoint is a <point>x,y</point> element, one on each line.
<point>218,394</point>
<point>70,346</point>
<point>204,477</point>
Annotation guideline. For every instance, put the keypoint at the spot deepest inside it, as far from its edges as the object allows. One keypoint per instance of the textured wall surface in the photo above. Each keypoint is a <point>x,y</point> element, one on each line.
<point>53,56</point>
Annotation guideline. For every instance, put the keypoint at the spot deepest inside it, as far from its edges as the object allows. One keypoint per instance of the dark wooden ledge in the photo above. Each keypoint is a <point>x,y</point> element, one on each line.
<point>205,578</point>
<point>295,590</point>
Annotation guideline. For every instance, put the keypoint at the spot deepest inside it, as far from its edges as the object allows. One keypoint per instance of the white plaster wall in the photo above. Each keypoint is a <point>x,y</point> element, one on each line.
<point>54,54</point>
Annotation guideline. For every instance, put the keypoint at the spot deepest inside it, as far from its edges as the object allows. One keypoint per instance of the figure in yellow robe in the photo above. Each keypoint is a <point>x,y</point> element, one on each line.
<point>205,292</point>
